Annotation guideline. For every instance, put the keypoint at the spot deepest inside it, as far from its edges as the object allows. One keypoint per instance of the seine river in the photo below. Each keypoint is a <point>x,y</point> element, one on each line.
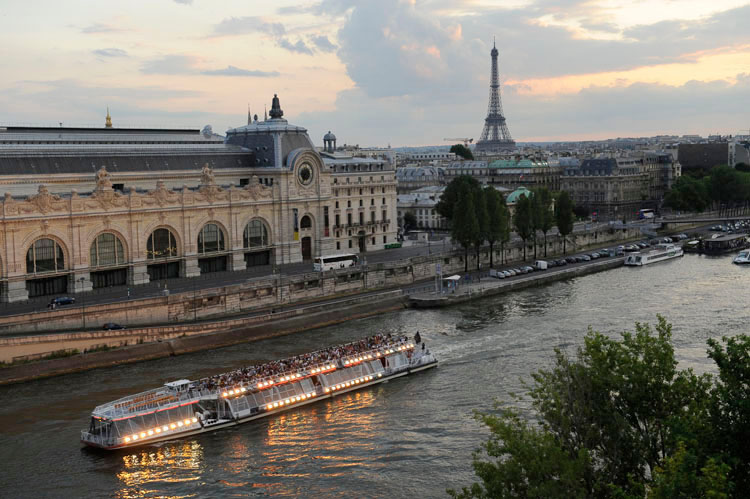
<point>412,437</point>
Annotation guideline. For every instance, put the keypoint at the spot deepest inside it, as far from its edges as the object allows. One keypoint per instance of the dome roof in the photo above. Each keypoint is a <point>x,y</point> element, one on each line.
<point>513,196</point>
<point>329,136</point>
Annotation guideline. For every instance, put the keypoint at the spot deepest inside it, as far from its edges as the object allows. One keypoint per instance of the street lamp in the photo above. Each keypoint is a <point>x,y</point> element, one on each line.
<point>83,302</point>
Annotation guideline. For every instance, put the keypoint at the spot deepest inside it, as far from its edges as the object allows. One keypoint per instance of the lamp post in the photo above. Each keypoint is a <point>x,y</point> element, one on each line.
<point>83,302</point>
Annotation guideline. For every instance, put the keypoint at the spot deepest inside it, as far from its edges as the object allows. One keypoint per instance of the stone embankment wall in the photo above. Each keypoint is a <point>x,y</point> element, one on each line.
<point>295,321</point>
<point>267,294</point>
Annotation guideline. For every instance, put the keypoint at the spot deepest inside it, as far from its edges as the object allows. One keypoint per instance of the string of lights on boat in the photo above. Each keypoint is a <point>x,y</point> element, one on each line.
<point>189,423</point>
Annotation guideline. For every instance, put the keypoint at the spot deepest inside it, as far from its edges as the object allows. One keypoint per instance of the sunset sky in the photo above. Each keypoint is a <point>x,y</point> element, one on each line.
<point>379,72</point>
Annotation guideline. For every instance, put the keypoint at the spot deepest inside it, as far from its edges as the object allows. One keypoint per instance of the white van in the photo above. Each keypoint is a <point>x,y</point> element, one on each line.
<point>540,265</point>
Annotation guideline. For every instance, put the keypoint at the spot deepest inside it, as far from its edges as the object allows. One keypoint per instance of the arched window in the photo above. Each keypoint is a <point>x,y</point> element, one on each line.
<point>256,234</point>
<point>45,255</point>
<point>305,223</point>
<point>161,244</point>
<point>210,239</point>
<point>106,250</point>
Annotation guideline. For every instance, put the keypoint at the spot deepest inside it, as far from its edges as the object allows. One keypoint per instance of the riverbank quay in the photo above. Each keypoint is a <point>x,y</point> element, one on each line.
<point>264,294</point>
<point>152,343</point>
<point>490,286</point>
<point>155,343</point>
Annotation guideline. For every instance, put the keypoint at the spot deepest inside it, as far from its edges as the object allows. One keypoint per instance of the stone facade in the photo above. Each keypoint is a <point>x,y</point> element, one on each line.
<point>149,210</point>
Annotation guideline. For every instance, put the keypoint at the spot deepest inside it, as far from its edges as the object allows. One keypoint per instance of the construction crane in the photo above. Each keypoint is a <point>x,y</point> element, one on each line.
<point>465,140</point>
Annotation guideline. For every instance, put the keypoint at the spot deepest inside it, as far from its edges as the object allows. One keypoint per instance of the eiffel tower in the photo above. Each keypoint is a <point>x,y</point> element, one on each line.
<point>495,135</point>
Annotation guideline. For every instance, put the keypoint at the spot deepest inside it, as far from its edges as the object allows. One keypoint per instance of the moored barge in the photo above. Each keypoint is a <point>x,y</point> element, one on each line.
<point>184,408</point>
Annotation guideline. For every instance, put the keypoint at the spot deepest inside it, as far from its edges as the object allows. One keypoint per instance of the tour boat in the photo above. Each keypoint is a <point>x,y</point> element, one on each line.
<point>658,253</point>
<point>742,258</point>
<point>183,408</point>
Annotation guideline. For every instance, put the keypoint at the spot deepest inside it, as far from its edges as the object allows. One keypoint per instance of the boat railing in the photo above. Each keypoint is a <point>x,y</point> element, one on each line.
<point>161,397</point>
<point>95,439</point>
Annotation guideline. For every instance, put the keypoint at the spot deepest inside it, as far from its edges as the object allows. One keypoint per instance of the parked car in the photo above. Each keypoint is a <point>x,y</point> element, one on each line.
<point>594,255</point>
<point>62,300</point>
<point>561,262</point>
<point>540,265</point>
<point>570,259</point>
<point>585,258</point>
<point>111,325</point>
<point>528,269</point>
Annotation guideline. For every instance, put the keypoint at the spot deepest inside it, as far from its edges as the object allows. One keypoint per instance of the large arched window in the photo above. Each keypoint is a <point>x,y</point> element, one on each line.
<point>161,244</point>
<point>305,223</point>
<point>45,255</point>
<point>107,249</point>
<point>256,234</point>
<point>210,239</point>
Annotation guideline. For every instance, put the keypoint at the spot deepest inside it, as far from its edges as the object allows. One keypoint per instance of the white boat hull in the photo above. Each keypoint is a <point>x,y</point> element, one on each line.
<point>428,362</point>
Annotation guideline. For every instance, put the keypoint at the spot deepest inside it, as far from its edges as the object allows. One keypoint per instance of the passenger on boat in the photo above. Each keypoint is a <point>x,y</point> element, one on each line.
<point>251,375</point>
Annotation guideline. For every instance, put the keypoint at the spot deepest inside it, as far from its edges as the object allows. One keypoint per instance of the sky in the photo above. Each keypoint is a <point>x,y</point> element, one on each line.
<point>382,72</point>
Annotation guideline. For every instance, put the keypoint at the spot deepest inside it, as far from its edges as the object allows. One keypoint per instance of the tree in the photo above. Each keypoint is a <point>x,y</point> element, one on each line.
<point>545,218</point>
<point>688,194</point>
<point>536,214</point>
<point>730,412</point>
<point>497,213</point>
<point>564,216</point>
<point>522,220</point>
<point>410,221</point>
<point>462,151</point>
<point>619,420</point>
<point>482,217</point>
<point>465,228</point>
<point>450,198</point>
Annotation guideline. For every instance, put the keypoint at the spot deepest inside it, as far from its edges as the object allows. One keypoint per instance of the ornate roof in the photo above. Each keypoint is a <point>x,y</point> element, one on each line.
<point>513,196</point>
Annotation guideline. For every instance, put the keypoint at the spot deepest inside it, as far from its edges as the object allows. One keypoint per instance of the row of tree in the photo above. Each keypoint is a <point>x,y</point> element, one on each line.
<point>619,420</point>
<point>480,214</point>
<point>476,215</point>
<point>725,189</point>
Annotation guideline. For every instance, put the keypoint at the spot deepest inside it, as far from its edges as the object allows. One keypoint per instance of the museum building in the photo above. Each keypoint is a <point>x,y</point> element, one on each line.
<point>88,208</point>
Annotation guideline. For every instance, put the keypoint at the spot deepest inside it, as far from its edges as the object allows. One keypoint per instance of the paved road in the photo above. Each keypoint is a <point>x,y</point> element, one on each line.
<point>228,278</point>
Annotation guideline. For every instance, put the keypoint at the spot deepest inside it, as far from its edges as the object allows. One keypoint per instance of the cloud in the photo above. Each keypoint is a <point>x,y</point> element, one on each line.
<point>184,2</point>
<point>234,26</point>
<point>170,65</point>
<point>234,71</point>
<point>110,52</point>
<point>100,28</point>
<point>299,47</point>
<point>323,43</point>
<point>237,26</point>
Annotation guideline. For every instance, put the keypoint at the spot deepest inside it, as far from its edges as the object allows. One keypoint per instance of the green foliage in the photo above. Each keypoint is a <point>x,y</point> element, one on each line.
<point>465,228</point>
<point>462,151</point>
<point>619,420</point>
<point>498,226</point>
<point>724,186</point>
<point>681,477</point>
<point>542,217</point>
<point>410,220</point>
<point>483,219</point>
<point>445,207</point>
<point>730,411</point>
<point>522,220</point>
<point>688,194</point>
<point>528,462</point>
<point>564,216</point>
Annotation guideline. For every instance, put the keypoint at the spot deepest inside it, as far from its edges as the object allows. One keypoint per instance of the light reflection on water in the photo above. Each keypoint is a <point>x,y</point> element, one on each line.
<point>410,437</point>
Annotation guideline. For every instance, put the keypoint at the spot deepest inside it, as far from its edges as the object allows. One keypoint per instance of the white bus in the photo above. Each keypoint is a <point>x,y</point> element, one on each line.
<point>646,214</point>
<point>335,262</point>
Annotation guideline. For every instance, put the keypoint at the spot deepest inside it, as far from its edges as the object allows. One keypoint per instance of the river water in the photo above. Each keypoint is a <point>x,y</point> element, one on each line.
<point>411,437</point>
